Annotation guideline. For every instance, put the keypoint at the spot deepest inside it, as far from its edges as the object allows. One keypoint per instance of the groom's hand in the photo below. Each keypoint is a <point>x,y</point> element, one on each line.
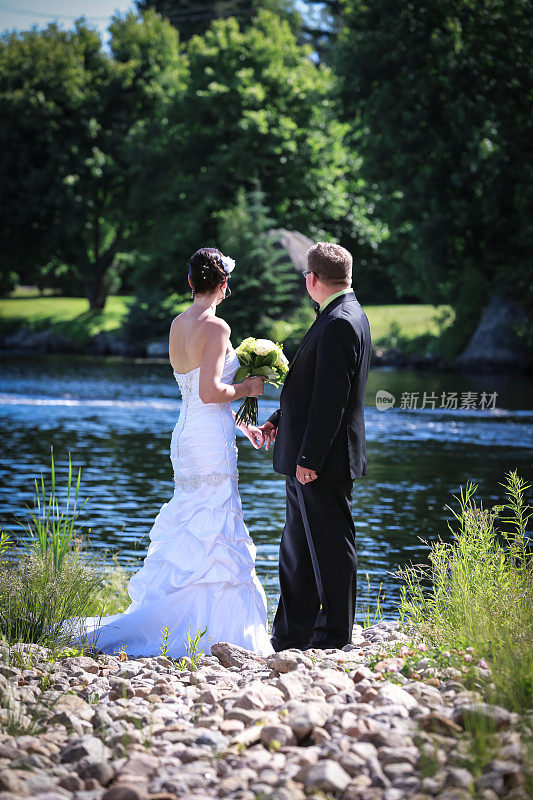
<point>305,475</point>
<point>269,433</point>
<point>254,435</point>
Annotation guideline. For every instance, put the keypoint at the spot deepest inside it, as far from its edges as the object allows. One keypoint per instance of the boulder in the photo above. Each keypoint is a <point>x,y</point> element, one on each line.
<point>494,346</point>
<point>231,655</point>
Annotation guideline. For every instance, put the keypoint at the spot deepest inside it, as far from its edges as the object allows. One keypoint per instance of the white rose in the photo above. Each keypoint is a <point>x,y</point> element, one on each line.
<point>263,347</point>
<point>282,360</point>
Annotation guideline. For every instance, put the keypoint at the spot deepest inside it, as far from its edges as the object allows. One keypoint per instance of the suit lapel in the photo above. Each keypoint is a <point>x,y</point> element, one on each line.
<point>319,321</point>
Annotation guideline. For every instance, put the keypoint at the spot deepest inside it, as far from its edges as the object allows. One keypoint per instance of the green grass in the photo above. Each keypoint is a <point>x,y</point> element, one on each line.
<point>477,591</point>
<point>55,577</point>
<point>406,321</point>
<point>68,316</point>
<point>391,325</point>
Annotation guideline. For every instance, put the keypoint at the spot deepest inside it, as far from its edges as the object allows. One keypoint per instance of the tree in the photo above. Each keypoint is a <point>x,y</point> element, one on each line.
<point>256,108</point>
<point>192,17</point>
<point>439,95</point>
<point>77,127</point>
<point>263,285</point>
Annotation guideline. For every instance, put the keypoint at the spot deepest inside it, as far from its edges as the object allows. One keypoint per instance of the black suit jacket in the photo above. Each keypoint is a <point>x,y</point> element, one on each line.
<point>321,416</point>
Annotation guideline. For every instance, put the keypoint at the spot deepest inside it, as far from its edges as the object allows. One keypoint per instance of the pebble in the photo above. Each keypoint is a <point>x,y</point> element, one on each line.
<point>289,726</point>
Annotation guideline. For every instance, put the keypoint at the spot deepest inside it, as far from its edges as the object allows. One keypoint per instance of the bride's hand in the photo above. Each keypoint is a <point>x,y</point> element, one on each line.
<point>254,386</point>
<point>253,434</point>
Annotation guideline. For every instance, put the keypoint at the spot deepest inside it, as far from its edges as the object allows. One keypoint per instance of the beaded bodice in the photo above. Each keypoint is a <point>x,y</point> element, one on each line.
<point>203,444</point>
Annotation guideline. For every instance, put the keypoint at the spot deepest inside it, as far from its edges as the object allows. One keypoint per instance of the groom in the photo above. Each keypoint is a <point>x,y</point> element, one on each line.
<point>320,447</point>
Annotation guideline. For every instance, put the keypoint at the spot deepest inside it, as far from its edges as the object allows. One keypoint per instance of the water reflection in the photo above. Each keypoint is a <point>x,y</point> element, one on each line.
<point>115,418</point>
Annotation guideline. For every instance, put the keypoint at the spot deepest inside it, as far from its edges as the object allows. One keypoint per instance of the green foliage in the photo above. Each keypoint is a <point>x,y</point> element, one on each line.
<point>51,529</point>
<point>264,279</point>
<point>150,315</point>
<point>192,650</point>
<point>77,130</point>
<point>45,587</point>
<point>165,633</point>
<point>37,600</point>
<point>438,95</point>
<point>477,591</point>
<point>370,610</point>
<point>256,106</point>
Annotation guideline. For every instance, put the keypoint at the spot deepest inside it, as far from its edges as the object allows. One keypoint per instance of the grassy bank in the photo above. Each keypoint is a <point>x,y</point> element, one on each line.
<point>55,577</point>
<point>474,600</point>
<point>409,327</point>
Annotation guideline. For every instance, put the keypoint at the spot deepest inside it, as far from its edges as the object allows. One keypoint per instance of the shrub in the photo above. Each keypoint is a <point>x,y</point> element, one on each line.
<point>477,590</point>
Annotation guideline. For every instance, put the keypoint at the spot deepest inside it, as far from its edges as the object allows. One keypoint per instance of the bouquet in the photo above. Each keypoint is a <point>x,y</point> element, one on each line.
<point>261,358</point>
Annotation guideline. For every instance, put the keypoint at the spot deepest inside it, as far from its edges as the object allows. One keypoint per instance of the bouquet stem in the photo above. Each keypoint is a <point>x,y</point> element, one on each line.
<point>248,413</point>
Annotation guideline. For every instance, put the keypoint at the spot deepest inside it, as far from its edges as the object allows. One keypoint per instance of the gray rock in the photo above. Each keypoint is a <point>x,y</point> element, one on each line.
<point>101,771</point>
<point>494,346</point>
<point>84,747</point>
<point>231,655</point>
<point>124,791</point>
<point>305,717</point>
<point>213,739</point>
<point>325,776</point>
<point>291,685</point>
<point>282,734</point>
<point>397,769</point>
<point>288,660</point>
<point>120,688</point>
<point>459,777</point>
<point>490,716</point>
<point>84,663</point>
<point>391,694</point>
<point>9,782</point>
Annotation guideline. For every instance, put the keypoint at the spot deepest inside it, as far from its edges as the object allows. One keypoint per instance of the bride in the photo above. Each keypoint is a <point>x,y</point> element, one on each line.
<point>199,572</point>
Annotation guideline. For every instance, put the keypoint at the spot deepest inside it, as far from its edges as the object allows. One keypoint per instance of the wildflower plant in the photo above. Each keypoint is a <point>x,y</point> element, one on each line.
<point>477,590</point>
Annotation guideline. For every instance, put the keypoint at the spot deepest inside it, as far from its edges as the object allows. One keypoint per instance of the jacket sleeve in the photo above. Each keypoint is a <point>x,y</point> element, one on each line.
<point>336,363</point>
<point>274,418</point>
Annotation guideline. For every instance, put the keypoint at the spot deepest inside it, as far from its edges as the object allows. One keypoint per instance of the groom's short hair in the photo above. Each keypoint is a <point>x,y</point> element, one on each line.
<point>331,263</point>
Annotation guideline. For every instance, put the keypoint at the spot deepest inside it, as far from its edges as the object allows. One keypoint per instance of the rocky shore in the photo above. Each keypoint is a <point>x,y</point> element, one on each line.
<point>27,341</point>
<point>317,724</point>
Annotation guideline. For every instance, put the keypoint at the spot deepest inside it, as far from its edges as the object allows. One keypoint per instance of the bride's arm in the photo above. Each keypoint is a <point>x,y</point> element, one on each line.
<point>211,387</point>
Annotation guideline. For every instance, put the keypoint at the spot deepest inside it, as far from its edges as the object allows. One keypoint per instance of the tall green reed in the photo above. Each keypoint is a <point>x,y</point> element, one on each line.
<point>48,583</point>
<point>51,527</point>
<point>477,590</point>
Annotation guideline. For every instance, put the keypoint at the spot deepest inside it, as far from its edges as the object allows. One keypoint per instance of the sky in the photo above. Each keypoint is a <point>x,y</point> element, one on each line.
<point>24,14</point>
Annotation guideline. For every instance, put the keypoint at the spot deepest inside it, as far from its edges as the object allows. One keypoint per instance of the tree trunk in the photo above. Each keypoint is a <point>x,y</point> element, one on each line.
<point>96,291</point>
<point>95,279</point>
<point>95,274</point>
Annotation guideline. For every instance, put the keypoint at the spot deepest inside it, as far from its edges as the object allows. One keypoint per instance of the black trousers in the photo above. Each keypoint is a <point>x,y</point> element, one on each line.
<point>317,600</point>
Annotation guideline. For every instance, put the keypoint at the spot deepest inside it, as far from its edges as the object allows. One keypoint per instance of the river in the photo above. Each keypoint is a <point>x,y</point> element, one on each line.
<point>115,418</point>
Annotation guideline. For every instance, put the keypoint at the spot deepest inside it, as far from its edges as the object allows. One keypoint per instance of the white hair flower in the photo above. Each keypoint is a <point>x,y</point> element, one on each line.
<point>228,264</point>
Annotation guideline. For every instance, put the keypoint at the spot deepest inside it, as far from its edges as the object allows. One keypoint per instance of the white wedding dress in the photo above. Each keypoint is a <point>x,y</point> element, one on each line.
<point>199,572</point>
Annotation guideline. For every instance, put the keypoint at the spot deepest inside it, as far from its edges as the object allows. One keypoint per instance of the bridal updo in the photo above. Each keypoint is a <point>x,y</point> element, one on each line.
<point>207,270</point>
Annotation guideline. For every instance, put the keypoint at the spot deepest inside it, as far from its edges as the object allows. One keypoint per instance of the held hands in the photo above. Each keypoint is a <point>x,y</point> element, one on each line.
<point>254,435</point>
<point>269,432</point>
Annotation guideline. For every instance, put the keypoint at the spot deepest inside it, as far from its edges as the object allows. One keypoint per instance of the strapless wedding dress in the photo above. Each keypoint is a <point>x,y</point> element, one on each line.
<point>199,572</point>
